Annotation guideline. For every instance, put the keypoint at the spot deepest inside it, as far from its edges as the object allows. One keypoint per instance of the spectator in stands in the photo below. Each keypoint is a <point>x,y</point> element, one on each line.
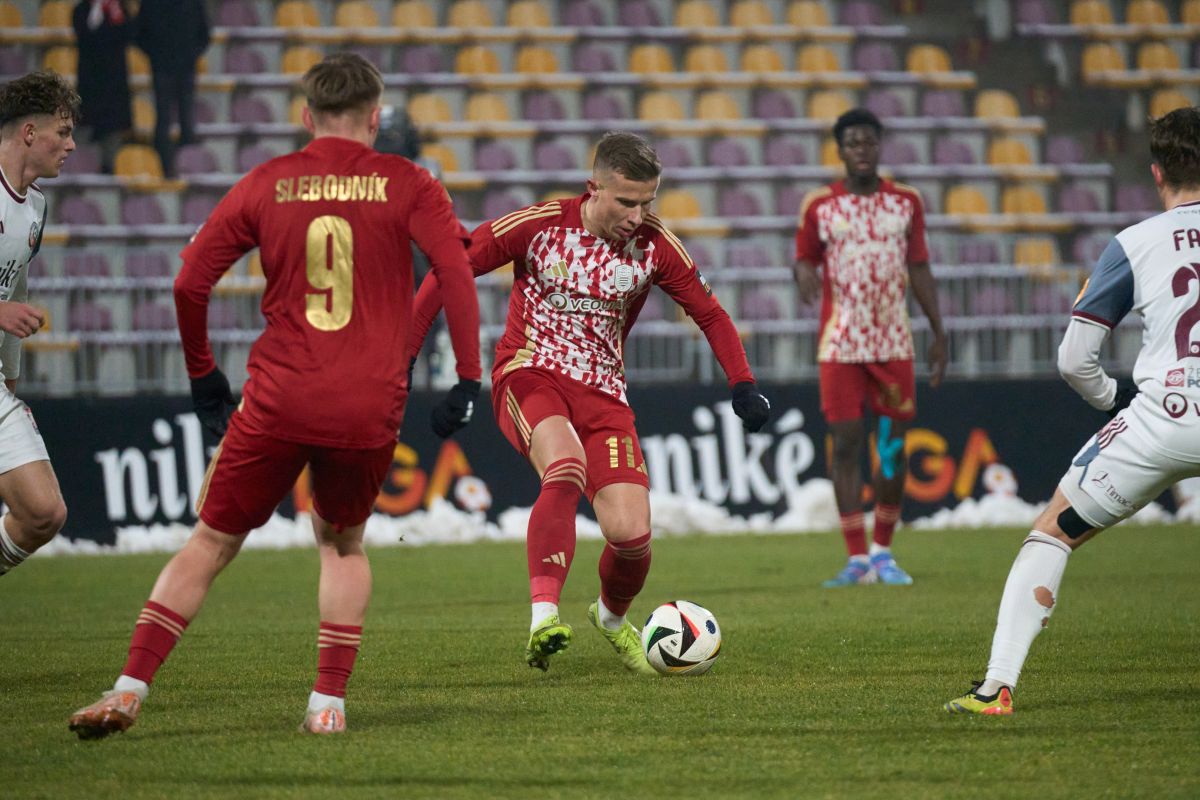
<point>174,34</point>
<point>103,29</point>
<point>333,223</point>
<point>866,234</point>
<point>38,114</point>
<point>583,268</point>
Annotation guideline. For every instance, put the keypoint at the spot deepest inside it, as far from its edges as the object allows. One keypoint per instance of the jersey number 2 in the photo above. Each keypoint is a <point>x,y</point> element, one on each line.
<point>330,263</point>
<point>1185,346</point>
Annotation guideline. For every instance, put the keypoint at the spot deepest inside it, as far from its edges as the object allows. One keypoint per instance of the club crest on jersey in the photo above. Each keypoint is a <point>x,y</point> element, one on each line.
<point>622,276</point>
<point>33,235</point>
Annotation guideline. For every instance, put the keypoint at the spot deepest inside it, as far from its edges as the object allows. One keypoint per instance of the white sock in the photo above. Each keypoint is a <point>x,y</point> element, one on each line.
<point>1030,594</point>
<point>540,612</point>
<point>863,560</point>
<point>127,684</point>
<point>876,549</point>
<point>10,555</point>
<point>318,701</point>
<point>607,618</point>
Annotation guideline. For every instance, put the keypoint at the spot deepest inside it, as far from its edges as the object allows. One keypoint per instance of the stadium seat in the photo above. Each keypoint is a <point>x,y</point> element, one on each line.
<point>728,153</point>
<point>704,59</point>
<point>536,60</point>
<point>784,151</point>
<point>1101,57</point>
<point>678,204</point>
<point>650,59</point>
<point>487,107</point>
<point>1051,298</point>
<point>250,157</point>
<point>773,104</point>
<point>151,315</point>
<point>830,154</point>
<point>444,155</point>
<point>428,109</point>
<point>898,151</point>
<point>355,14</point>
<point>638,14</point>
<point>1088,247</point>
<point>1167,100</point>
<point>964,199</point>
<point>528,14</point>
<point>828,104</point>
<point>137,161</point>
<point>62,59</point>
<point>716,105</point>
<point>942,103</point>
<point>251,109</point>
<point>660,107</point>
<point>1157,56</point>
<point>1075,198</point>
<point>13,61</point>
<point>237,14</point>
<point>55,14</point>
<point>951,151</point>
<point>297,60</point>
<point>1138,197</point>
<point>581,14</point>
<point>244,59</point>
<point>876,57</point>
<point>10,16</point>
<point>553,155</point>
<point>195,159</point>
<point>760,304</point>
<point>1022,200</point>
<point>1008,152</point>
<point>996,104</point>
<point>991,301</point>
<point>1035,251</point>
<point>807,14</point>
<point>296,14</point>
<point>976,250</point>
<point>89,316</point>
<point>1035,12</point>
<point>602,105</point>
<point>859,13</point>
<point>424,59</point>
<point>736,201</point>
<point>1091,12</point>
<point>923,59</point>
<point>749,254</point>
<point>413,14</point>
<point>85,264</point>
<point>761,58</point>
<point>142,209</point>
<point>541,106</point>
<point>674,154</point>
<point>497,203</point>
<point>494,156</point>
<point>817,58</point>
<point>749,13</point>
<point>593,57</point>
<point>148,264</point>
<point>696,14</point>
<point>1189,12</point>
<point>476,60</point>
<point>1064,149</point>
<point>84,161</point>
<point>470,14</point>
<point>143,115</point>
<point>884,103</point>
<point>1147,12</point>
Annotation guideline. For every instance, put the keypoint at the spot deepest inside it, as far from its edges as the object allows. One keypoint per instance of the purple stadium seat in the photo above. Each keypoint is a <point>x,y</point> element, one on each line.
<point>237,14</point>
<point>84,161</point>
<point>250,157</point>
<point>1051,299</point>
<point>205,113</point>
<point>89,316</point>
<point>373,53</point>
<point>638,13</point>
<point>781,151</point>
<point>148,264</point>
<point>498,202</point>
<point>1035,12</point>
<point>13,61</point>
<point>700,254</point>
<point>728,153</point>
<point>581,14</point>
<point>942,103</point>
<point>197,207</point>
<point>948,151</point>
<point>876,57</point>
<point>1076,198</point>
<point>788,199</point>
<point>860,12</point>
<point>760,304</point>
<point>991,301</point>
<point>222,315</point>
<point>424,59</point>
<point>249,109</point>
<point>1064,149</point>
<point>494,156</point>
<point>195,159</point>
<point>773,104</point>
<point>153,316</point>
<point>653,309</point>
<point>673,154</point>
<point>733,201</point>
<point>884,103</point>
<point>142,209</point>
<point>1087,247</point>
<point>978,251</point>
<point>593,57</point>
<point>80,264</point>
<point>1136,197</point>
<point>948,304</point>
<point>747,254</point>
<point>603,106</point>
<point>553,156</point>
<point>76,209</point>
<point>244,60</point>
<point>898,151</point>
<point>540,106</point>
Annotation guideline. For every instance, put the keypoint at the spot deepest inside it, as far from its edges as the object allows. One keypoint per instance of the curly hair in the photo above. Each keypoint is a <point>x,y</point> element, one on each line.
<point>38,93</point>
<point>853,117</point>
<point>1175,146</point>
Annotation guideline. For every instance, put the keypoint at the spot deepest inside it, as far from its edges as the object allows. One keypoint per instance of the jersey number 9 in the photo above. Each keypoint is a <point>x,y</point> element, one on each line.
<point>330,262</point>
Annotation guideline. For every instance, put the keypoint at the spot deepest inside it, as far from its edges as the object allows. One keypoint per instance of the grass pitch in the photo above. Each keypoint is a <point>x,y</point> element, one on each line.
<point>818,693</point>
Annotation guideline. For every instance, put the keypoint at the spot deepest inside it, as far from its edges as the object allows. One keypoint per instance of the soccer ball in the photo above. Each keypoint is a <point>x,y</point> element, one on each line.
<point>681,638</point>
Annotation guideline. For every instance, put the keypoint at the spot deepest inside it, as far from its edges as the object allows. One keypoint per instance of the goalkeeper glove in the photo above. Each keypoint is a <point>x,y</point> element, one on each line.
<point>751,407</point>
<point>455,409</point>
<point>1125,394</point>
<point>213,401</point>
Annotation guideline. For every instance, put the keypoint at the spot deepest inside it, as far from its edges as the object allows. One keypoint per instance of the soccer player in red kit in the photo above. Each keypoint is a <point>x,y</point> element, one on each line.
<point>868,236</point>
<point>327,378</point>
<point>582,271</point>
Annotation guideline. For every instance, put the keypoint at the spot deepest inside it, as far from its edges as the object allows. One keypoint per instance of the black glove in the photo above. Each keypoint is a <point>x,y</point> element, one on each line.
<point>1126,391</point>
<point>751,407</point>
<point>455,409</point>
<point>213,401</point>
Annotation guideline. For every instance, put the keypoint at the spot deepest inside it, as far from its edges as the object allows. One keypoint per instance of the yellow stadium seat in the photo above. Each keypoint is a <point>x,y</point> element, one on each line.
<point>705,58</point>
<point>828,104</point>
<point>1101,57</point>
<point>413,14</point>
<point>1091,12</point>
<point>1147,12</point>
<point>831,155</point>
<point>650,59</point>
<point>717,105</point>
<point>355,14</point>
<point>965,199</point>
<point>537,60</point>
<point>1035,251</point>
<point>143,115</point>
<point>476,60</point>
<point>1008,152</point>
<point>696,14</point>
<point>761,58</point>
<point>1165,101</point>
<point>747,13</point>
<point>1157,55</point>
<point>56,14</point>
<point>296,110</point>
<point>807,14</point>
<point>927,58</point>
<point>427,109</point>
<point>814,58</point>
<point>996,104</point>
<point>442,154</point>
<point>487,107</point>
<point>1022,200</point>
<point>137,161</point>
<point>298,60</point>
<point>63,59</point>
<point>10,16</point>
<point>470,14</point>
<point>136,62</point>
<point>558,194</point>
<point>296,14</point>
<point>678,204</point>
<point>528,14</point>
<point>660,107</point>
<point>1189,13</point>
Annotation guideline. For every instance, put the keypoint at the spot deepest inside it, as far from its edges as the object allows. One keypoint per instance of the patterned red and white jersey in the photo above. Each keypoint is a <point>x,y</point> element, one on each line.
<point>576,295</point>
<point>864,244</point>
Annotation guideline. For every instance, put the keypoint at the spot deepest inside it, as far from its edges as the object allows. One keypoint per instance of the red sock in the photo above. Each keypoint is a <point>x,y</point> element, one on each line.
<point>886,517</point>
<point>550,542</point>
<point>337,645</point>
<point>854,530</point>
<point>623,570</point>
<point>157,630</point>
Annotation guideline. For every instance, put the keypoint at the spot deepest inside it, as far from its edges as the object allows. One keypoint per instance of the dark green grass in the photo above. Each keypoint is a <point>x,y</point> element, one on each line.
<point>818,693</point>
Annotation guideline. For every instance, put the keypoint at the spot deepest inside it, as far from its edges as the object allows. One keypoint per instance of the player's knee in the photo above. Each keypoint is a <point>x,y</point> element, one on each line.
<point>1073,525</point>
<point>45,520</point>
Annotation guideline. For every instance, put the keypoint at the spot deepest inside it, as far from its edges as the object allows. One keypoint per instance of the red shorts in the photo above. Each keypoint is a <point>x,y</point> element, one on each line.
<point>889,385</point>
<point>612,453</point>
<point>251,473</point>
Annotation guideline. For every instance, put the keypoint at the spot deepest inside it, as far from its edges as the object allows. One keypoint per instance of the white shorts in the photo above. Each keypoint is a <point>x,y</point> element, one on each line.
<point>1118,472</point>
<point>20,441</point>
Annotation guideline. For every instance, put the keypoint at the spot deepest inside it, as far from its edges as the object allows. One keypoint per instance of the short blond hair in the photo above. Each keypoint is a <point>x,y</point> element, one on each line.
<point>342,82</point>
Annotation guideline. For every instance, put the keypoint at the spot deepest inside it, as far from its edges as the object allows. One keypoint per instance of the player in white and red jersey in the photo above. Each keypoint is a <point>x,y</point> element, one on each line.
<point>38,114</point>
<point>582,268</point>
<point>867,235</point>
<point>1153,438</point>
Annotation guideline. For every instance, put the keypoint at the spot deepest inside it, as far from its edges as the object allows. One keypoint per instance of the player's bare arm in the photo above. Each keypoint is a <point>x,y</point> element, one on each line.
<point>808,281</point>
<point>20,319</point>
<point>921,280</point>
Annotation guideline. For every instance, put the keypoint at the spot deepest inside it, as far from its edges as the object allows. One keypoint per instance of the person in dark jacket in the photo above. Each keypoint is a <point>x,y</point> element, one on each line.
<point>103,29</point>
<point>174,34</point>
